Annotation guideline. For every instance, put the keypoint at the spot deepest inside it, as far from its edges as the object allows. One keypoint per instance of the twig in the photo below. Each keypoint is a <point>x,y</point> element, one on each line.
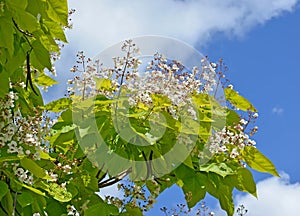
<point>114,179</point>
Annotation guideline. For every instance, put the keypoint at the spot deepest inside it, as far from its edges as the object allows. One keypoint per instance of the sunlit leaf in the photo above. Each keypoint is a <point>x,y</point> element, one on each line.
<point>42,55</point>
<point>45,80</point>
<point>238,101</point>
<point>219,168</point>
<point>256,160</point>
<point>58,105</point>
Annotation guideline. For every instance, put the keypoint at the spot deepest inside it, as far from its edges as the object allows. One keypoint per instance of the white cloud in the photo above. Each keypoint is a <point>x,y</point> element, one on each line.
<point>277,110</point>
<point>276,197</point>
<point>99,23</point>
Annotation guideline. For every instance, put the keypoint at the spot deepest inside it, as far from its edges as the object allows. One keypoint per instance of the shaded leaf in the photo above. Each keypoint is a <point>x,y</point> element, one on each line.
<point>3,189</point>
<point>25,199</point>
<point>34,168</point>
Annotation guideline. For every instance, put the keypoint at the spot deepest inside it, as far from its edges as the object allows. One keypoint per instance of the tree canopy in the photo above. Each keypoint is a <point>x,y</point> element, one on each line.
<point>163,128</point>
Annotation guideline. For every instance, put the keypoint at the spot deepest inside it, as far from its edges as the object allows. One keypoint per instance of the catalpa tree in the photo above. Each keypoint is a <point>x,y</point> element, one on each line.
<point>142,122</point>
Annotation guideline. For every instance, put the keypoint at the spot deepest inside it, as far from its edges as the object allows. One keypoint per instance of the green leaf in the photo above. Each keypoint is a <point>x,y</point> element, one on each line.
<point>7,203</point>
<point>221,169</point>
<point>222,190</point>
<point>56,191</point>
<point>55,208</point>
<point>56,30</point>
<point>103,84</point>
<point>7,34</point>
<point>225,199</point>
<point>26,21</point>
<point>232,118</point>
<point>58,11</point>
<point>25,199</point>
<point>45,80</point>
<point>17,4</point>
<point>36,191</point>
<point>58,105</point>
<point>4,83</point>
<point>46,156</point>
<point>193,184</point>
<point>41,56</point>
<point>34,168</point>
<point>8,158</point>
<point>39,204</point>
<point>238,101</point>
<point>160,100</point>
<point>102,209</point>
<point>256,160</point>
<point>245,181</point>
<point>3,189</point>
<point>132,211</point>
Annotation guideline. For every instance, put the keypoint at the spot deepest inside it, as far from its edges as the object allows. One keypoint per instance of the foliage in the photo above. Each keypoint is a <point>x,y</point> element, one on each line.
<point>163,128</point>
<point>30,31</point>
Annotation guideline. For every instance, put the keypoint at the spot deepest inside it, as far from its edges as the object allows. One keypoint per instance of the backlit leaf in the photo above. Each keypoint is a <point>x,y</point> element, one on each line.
<point>238,101</point>
<point>256,160</point>
<point>58,105</point>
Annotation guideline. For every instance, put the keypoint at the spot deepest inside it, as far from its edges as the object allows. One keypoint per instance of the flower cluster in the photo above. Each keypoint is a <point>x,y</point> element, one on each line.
<point>236,137</point>
<point>162,76</point>
<point>21,136</point>
<point>22,174</point>
<point>134,196</point>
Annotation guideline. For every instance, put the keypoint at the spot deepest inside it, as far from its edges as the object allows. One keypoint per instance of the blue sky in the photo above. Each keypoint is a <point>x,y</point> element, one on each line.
<point>260,42</point>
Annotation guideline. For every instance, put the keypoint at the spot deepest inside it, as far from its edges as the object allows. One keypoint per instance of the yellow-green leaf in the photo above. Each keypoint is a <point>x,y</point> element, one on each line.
<point>56,30</point>
<point>238,101</point>
<point>58,105</point>
<point>34,168</point>
<point>58,11</point>
<point>256,160</point>
<point>45,80</point>
<point>42,55</point>
<point>103,84</point>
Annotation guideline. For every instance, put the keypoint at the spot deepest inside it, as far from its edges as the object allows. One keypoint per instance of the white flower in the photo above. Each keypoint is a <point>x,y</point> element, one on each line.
<point>251,142</point>
<point>234,153</point>
<point>29,180</point>
<point>19,171</point>
<point>213,64</point>
<point>36,156</point>
<point>23,177</point>
<point>11,130</point>
<point>63,185</point>
<point>67,168</point>
<point>11,95</point>
<point>243,121</point>
<point>223,149</point>
<point>12,147</point>
<point>30,139</point>
<point>22,84</point>
<point>255,115</point>
<point>20,150</point>
<point>2,142</point>
<point>150,138</point>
